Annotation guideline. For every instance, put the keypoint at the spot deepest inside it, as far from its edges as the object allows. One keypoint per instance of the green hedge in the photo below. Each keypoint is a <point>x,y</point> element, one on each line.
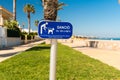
<point>29,37</point>
<point>13,33</point>
<point>23,37</point>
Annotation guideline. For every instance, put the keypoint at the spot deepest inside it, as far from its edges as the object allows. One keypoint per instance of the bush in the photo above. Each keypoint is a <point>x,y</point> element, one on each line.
<point>33,33</point>
<point>13,33</point>
<point>23,33</point>
<point>29,37</point>
<point>22,37</point>
<point>12,28</point>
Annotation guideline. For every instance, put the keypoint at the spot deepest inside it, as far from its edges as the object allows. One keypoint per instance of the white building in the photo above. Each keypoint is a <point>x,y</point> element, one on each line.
<point>4,15</point>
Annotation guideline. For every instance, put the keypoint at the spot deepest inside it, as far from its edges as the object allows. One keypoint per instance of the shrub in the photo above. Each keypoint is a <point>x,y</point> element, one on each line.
<point>22,37</point>
<point>29,37</point>
<point>33,33</point>
<point>24,33</point>
<point>13,33</point>
<point>12,28</point>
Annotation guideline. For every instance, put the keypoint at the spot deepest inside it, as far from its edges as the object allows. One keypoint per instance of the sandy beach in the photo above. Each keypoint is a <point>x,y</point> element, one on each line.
<point>110,56</point>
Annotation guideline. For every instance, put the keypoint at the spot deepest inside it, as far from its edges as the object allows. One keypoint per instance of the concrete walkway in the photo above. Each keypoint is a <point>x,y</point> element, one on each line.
<point>110,57</point>
<point>11,51</point>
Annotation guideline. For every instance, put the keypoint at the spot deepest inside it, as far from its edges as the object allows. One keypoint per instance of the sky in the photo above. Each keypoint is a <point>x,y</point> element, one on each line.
<point>98,18</point>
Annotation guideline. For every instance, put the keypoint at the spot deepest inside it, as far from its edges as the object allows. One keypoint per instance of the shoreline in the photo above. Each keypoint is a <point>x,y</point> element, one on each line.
<point>102,40</point>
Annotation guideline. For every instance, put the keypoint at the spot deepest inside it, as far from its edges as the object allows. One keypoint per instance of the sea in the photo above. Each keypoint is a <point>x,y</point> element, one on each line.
<point>106,38</point>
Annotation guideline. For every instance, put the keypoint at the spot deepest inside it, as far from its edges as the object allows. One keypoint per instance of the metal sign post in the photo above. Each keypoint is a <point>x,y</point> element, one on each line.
<point>54,31</point>
<point>53,54</point>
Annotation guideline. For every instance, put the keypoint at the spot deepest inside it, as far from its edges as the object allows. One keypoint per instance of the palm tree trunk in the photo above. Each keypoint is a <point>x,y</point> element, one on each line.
<point>50,9</point>
<point>14,9</point>
<point>28,23</point>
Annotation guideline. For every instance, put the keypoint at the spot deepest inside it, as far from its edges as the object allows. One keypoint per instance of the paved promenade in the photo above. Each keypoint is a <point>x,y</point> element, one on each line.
<point>11,51</point>
<point>110,57</point>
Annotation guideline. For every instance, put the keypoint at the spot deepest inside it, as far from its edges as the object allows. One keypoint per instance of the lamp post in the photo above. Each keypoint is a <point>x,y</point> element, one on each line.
<point>14,9</point>
<point>23,24</point>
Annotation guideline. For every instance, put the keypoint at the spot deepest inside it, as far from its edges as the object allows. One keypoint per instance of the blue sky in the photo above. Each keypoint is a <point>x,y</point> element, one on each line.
<point>100,18</point>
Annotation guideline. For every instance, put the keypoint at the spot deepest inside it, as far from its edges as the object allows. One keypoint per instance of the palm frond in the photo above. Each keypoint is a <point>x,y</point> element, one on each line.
<point>29,8</point>
<point>119,1</point>
<point>60,5</point>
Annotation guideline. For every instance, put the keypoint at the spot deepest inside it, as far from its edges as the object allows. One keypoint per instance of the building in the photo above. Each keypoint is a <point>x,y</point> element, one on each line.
<point>4,40</point>
<point>4,15</point>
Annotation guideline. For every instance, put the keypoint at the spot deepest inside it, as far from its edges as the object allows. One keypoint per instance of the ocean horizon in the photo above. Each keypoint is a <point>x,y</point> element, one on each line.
<point>106,38</point>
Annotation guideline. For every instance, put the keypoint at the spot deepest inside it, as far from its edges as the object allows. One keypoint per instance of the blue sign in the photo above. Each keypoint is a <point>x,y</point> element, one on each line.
<point>55,30</point>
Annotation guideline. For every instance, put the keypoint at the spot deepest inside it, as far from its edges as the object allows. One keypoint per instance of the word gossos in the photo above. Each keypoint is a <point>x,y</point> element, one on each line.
<point>63,27</point>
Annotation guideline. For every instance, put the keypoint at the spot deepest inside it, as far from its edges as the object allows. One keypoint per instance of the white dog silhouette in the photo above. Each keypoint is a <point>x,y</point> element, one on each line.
<point>50,30</point>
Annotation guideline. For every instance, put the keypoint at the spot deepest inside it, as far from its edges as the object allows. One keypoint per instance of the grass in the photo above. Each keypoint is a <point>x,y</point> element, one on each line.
<point>71,65</point>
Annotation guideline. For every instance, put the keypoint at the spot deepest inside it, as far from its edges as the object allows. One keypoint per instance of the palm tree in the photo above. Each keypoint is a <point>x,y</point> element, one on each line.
<point>60,5</point>
<point>119,1</point>
<point>14,9</point>
<point>51,8</point>
<point>28,8</point>
<point>36,22</point>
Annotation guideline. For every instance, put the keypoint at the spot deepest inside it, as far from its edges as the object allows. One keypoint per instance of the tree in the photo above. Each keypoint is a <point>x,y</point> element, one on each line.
<point>60,5</point>
<point>11,24</point>
<point>28,8</point>
<point>36,22</point>
<point>51,8</point>
<point>12,28</point>
<point>14,9</point>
